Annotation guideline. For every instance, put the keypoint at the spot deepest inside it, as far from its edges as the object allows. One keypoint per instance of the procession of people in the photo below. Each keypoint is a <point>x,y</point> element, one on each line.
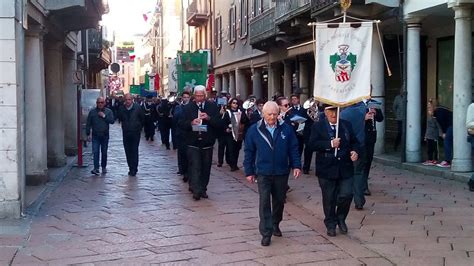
<point>279,136</point>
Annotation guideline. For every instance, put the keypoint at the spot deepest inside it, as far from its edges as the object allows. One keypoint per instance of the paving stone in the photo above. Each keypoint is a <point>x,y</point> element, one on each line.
<point>410,219</point>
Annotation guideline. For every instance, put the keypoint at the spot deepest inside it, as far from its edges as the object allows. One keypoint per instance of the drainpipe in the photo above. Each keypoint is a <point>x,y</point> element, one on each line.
<point>20,35</point>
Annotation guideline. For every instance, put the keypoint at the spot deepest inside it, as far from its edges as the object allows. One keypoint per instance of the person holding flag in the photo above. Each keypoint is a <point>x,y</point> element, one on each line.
<point>335,154</point>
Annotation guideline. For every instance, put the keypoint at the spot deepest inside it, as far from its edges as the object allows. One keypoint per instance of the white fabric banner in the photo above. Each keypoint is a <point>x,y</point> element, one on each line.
<point>343,58</point>
<point>172,75</point>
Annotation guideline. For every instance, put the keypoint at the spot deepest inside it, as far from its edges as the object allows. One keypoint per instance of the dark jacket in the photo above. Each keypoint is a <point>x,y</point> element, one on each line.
<point>371,127</point>
<point>214,124</point>
<point>444,116</point>
<point>132,120</point>
<point>99,125</point>
<point>265,155</point>
<point>355,114</point>
<point>327,165</point>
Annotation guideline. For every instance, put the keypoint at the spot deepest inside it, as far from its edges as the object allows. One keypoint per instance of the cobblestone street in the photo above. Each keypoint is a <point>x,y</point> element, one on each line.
<point>410,219</point>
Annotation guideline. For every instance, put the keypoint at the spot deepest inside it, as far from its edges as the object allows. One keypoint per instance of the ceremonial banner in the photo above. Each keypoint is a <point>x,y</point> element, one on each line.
<point>343,58</point>
<point>172,75</point>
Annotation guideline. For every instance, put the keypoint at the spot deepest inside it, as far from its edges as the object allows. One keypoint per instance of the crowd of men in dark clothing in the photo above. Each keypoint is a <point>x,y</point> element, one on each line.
<point>275,134</point>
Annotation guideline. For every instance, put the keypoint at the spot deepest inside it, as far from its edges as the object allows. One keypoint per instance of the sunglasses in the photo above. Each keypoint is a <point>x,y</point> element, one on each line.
<point>285,105</point>
<point>100,102</point>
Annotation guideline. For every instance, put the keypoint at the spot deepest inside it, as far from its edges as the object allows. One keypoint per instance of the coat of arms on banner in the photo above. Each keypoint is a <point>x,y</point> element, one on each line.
<point>343,63</point>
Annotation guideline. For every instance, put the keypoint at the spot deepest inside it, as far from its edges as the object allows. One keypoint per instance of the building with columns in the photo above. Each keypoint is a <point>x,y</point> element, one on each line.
<point>439,66</point>
<point>42,48</point>
<point>238,67</point>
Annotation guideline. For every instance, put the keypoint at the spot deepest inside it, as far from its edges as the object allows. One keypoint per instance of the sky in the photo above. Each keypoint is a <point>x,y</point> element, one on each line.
<point>125,17</point>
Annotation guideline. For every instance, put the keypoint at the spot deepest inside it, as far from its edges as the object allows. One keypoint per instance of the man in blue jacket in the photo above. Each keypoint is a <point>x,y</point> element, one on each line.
<point>271,151</point>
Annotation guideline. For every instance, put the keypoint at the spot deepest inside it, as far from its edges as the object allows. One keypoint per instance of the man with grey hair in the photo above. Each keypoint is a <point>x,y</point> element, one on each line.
<point>132,117</point>
<point>271,151</point>
<point>200,124</point>
<point>99,120</point>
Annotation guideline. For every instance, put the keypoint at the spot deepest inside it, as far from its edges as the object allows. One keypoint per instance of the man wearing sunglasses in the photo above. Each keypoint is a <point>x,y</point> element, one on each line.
<point>99,120</point>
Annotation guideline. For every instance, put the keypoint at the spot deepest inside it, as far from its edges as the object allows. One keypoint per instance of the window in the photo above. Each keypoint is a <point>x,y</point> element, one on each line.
<point>218,33</point>
<point>232,25</point>
<point>257,7</point>
<point>243,18</point>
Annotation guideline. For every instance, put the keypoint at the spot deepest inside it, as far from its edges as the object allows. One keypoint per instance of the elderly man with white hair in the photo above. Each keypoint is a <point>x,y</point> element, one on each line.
<point>271,151</point>
<point>200,124</point>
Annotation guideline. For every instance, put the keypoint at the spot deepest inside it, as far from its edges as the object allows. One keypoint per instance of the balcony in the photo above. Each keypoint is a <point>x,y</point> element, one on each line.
<point>262,29</point>
<point>94,39</point>
<point>319,6</point>
<point>286,10</point>
<point>368,9</point>
<point>196,15</point>
<point>73,15</point>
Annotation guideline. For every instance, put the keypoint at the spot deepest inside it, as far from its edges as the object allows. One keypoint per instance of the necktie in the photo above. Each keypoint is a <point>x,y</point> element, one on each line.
<point>200,106</point>
<point>333,130</point>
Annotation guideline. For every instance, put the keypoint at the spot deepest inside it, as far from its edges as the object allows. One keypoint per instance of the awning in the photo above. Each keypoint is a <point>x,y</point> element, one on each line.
<point>302,48</point>
<point>389,3</point>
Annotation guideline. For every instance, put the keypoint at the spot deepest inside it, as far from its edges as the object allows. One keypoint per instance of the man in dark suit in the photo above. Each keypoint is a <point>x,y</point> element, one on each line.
<point>374,114</point>
<point>165,121</point>
<point>334,170</point>
<point>131,116</point>
<point>200,124</point>
<point>298,110</point>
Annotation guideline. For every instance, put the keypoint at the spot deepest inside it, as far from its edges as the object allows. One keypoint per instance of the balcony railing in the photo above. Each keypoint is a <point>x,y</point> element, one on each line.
<point>94,38</point>
<point>285,10</point>
<point>262,27</point>
<point>196,15</point>
<point>322,6</point>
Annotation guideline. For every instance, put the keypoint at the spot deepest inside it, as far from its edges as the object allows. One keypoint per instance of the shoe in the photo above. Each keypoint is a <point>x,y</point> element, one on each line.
<point>190,190</point>
<point>167,147</point>
<point>359,207</point>
<point>233,169</point>
<point>179,173</point>
<point>471,184</point>
<point>306,172</point>
<point>204,195</point>
<point>429,163</point>
<point>331,232</point>
<point>367,192</point>
<point>132,173</point>
<point>277,231</point>
<point>196,197</point>
<point>95,172</point>
<point>104,170</point>
<point>152,139</point>
<point>444,164</point>
<point>128,173</point>
<point>343,227</point>
<point>266,241</point>
<point>219,165</point>
<point>146,138</point>
<point>185,178</point>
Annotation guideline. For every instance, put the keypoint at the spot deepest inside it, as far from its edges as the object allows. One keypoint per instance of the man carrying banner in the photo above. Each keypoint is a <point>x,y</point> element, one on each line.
<point>342,78</point>
<point>335,155</point>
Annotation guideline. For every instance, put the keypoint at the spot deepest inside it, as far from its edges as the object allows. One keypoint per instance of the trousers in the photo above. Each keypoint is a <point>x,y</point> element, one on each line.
<point>337,198</point>
<point>100,145</point>
<point>199,168</point>
<point>272,193</point>
<point>131,140</point>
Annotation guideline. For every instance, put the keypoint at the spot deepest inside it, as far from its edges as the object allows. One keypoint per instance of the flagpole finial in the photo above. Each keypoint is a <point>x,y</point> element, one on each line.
<point>345,4</point>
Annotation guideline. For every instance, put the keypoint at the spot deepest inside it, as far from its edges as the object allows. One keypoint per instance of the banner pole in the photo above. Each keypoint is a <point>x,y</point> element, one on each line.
<point>337,129</point>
